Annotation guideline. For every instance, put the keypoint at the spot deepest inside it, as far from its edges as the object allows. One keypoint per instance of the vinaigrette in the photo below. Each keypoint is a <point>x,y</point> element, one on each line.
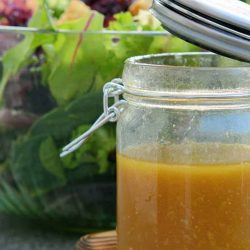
<point>193,197</point>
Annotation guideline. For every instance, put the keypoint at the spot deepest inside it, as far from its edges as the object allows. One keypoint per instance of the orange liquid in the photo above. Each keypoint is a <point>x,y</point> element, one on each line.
<point>173,200</point>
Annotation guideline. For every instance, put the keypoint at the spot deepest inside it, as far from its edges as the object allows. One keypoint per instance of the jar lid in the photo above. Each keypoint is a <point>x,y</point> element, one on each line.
<point>219,26</point>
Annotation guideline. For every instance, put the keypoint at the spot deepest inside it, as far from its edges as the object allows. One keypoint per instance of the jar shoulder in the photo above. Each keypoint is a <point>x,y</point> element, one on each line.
<point>143,124</point>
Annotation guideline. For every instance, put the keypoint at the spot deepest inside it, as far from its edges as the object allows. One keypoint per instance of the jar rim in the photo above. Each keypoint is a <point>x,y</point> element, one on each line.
<point>200,77</point>
<point>140,61</point>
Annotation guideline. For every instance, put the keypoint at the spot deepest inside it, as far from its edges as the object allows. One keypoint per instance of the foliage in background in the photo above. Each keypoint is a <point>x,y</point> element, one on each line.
<point>73,68</point>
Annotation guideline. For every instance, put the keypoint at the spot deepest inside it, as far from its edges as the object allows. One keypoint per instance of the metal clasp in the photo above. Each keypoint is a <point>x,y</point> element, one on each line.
<point>113,89</point>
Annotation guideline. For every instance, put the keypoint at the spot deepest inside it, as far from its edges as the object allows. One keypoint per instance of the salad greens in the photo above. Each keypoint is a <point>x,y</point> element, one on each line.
<point>72,69</point>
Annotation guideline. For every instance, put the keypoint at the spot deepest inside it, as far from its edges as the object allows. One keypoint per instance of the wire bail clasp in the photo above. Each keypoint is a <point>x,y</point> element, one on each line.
<point>113,89</point>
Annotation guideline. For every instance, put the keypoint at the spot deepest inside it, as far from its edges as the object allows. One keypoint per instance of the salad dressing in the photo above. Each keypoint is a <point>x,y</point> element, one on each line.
<point>194,197</point>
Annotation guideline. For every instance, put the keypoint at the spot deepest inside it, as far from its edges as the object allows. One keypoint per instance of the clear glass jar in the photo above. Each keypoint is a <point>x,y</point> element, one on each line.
<point>183,154</point>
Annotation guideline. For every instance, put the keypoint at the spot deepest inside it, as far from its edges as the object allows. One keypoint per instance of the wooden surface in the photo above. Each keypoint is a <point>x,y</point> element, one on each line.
<point>99,241</point>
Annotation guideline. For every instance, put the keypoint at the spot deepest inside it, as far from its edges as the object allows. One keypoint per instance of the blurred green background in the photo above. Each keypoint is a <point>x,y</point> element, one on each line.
<point>51,92</point>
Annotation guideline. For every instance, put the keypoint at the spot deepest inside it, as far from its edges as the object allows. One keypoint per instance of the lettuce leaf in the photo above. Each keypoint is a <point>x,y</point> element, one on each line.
<point>77,59</point>
<point>20,56</point>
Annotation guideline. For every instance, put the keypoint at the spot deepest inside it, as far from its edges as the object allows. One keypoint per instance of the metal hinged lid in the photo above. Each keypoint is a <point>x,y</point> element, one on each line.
<point>219,26</point>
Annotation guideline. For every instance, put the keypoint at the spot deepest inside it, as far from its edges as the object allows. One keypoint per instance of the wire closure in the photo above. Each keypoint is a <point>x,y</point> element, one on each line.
<point>113,89</point>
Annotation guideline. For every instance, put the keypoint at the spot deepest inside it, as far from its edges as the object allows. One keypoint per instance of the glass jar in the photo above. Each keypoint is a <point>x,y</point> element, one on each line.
<point>183,154</point>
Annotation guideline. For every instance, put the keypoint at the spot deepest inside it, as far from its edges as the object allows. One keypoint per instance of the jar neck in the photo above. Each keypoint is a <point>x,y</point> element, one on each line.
<point>190,100</point>
<point>187,80</point>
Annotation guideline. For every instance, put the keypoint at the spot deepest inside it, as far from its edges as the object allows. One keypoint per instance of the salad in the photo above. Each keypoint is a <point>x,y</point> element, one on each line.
<point>51,91</point>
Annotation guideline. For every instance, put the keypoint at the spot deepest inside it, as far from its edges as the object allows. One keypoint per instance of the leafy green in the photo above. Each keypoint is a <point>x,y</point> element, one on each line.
<point>20,56</point>
<point>60,122</point>
<point>74,67</point>
<point>96,150</point>
<point>178,45</point>
<point>42,18</point>
<point>28,169</point>
<point>76,61</point>
<point>130,45</point>
<point>58,6</point>
<point>46,170</point>
<point>48,155</point>
<point>123,21</point>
